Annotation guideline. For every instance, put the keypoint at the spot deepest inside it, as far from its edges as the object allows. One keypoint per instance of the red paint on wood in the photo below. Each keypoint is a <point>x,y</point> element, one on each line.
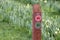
<point>38,18</point>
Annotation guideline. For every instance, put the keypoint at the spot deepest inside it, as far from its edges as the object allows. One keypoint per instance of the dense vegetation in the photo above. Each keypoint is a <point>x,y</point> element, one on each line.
<point>16,19</point>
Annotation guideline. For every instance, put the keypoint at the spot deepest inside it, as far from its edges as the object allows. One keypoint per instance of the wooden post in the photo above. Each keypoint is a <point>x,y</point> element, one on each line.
<point>36,23</point>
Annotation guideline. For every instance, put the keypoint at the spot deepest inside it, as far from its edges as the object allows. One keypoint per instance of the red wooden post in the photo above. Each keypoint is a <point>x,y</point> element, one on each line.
<point>36,33</point>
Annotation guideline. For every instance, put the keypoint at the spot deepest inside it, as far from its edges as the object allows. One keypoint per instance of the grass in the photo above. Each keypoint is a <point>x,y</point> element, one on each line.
<point>9,32</point>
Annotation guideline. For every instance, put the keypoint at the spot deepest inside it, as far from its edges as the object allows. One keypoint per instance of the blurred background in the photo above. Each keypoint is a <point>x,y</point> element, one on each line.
<point>16,19</point>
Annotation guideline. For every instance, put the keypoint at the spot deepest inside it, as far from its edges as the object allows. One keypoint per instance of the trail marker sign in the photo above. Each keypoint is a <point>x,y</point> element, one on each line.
<point>37,18</point>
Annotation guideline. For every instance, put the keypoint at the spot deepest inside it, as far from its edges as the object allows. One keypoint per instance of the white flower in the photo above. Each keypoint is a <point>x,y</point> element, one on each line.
<point>58,29</point>
<point>45,1</point>
<point>27,6</point>
<point>56,32</point>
